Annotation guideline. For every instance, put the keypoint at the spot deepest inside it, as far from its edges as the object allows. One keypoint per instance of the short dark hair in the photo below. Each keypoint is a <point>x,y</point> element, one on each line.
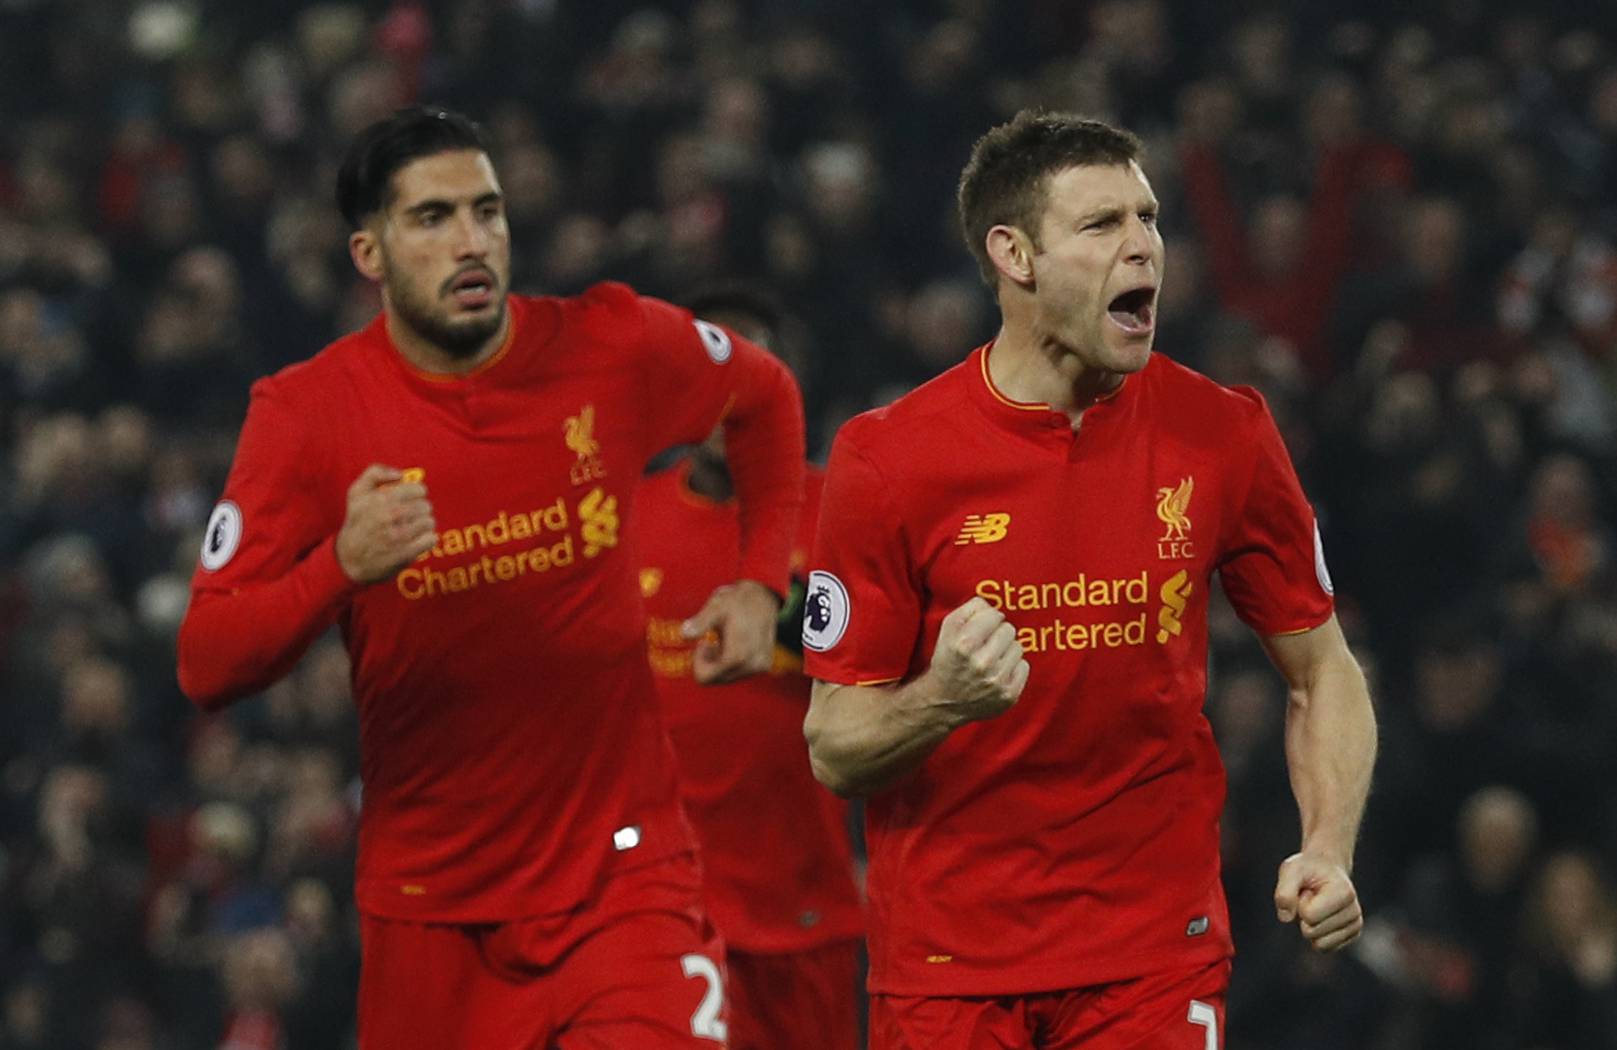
<point>365,178</point>
<point>1007,179</point>
<point>738,297</point>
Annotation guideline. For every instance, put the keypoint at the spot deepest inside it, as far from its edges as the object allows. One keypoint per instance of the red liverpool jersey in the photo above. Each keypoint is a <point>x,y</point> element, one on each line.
<point>1074,839</point>
<point>512,753</point>
<point>778,869</point>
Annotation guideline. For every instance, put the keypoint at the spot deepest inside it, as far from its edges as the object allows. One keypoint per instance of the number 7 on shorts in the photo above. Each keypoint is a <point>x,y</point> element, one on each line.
<point>1207,1017</point>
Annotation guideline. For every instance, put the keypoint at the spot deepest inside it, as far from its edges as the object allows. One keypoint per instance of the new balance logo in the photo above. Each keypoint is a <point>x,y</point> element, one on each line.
<point>983,528</point>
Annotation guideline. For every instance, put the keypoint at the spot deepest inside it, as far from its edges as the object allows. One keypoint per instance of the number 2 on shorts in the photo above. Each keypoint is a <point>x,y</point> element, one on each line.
<point>706,1022</point>
<point>1207,1017</point>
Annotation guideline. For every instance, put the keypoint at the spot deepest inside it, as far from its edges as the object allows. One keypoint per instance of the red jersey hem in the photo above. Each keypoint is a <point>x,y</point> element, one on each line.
<point>1035,978</point>
<point>522,902</point>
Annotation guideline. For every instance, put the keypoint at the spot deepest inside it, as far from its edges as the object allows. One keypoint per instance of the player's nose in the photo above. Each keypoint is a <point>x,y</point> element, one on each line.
<point>472,238</point>
<point>1138,244</point>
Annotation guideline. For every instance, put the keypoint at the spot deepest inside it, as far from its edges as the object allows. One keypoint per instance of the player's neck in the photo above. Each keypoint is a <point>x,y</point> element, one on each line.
<point>424,355</point>
<point>1025,367</point>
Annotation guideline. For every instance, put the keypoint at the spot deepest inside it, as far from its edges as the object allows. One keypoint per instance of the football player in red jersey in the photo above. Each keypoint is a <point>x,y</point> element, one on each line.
<point>454,486</point>
<point>1008,632</point>
<point>777,867</point>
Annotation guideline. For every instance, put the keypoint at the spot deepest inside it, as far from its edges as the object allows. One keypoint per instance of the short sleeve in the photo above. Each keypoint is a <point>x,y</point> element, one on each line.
<point>1273,563</point>
<point>862,611</point>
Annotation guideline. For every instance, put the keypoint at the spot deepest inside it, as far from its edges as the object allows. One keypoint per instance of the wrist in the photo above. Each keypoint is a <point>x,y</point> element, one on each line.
<point>343,561</point>
<point>331,576</point>
<point>762,588</point>
<point>922,706</point>
<point>1331,853</point>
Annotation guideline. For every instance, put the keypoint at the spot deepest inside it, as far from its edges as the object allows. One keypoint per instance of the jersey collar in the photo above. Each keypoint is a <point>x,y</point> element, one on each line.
<point>1037,418</point>
<point>447,381</point>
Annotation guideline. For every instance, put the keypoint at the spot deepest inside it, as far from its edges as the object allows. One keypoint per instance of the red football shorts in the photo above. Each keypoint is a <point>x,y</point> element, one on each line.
<point>806,1000</point>
<point>616,974</point>
<point>1179,1010</point>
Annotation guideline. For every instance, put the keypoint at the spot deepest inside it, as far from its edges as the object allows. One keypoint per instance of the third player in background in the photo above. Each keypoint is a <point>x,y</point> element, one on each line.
<point>778,871</point>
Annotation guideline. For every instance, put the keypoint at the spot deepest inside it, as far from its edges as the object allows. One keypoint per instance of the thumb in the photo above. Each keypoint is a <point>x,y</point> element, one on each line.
<point>963,612</point>
<point>1288,888</point>
<point>704,621</point>
<point>374,477</point>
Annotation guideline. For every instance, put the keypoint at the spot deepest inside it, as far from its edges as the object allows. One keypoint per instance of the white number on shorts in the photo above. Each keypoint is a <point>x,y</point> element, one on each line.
<point>706,1022</point>
<point>1207,1017</point>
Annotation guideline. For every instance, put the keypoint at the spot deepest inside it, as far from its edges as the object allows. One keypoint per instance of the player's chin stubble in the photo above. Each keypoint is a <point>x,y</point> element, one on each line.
<point>459,338</point>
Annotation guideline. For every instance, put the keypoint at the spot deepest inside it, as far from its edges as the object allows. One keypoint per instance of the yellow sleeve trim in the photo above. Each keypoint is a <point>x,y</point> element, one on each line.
<point>860,683</point>
<point>1302,630</point>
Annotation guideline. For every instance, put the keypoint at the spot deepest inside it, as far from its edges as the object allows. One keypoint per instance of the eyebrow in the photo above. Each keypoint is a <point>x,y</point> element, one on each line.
<point>441,204</point>
<point>1114,211</point>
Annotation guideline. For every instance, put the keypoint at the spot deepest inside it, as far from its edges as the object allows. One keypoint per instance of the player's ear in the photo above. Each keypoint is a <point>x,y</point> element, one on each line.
<point>1012,252</point>
<point>365,248</point>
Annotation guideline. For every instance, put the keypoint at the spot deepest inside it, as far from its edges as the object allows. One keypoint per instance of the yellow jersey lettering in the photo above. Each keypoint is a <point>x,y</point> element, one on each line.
<point>1063,637</point>
<point>552,518</point>
<point>505,527</point>
<point>1121,606</point>
<point>418,581</point>
<point>671,663</point>
<point>666,633</point>
<point>1080,592</point>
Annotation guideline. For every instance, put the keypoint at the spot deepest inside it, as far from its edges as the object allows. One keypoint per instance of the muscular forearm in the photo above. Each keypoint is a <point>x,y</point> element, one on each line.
<point>1330,751</point>
<point>233,644</point>
<point>864,738</point>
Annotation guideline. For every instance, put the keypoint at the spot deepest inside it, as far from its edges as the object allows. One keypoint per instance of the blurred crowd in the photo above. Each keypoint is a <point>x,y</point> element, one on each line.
<point>1399,223</point>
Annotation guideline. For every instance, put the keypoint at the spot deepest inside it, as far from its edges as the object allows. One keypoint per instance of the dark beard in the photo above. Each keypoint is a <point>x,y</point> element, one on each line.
<point>461,340</point>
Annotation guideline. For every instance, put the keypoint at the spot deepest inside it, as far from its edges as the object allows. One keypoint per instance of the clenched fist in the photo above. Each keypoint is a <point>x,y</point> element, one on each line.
<point>978,669</point>
<point>1317,893</point>
<point>389,524</point>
